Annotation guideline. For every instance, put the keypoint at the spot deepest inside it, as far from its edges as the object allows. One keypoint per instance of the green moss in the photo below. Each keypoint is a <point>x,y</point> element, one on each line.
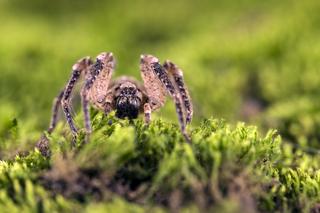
<point>132,167</point>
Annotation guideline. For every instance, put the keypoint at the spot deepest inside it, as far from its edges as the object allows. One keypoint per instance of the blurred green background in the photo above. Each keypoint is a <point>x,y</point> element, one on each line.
<point>250,60</point>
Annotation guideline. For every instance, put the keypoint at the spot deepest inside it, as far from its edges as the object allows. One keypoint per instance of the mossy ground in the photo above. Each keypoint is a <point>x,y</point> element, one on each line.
<point>131,167</point>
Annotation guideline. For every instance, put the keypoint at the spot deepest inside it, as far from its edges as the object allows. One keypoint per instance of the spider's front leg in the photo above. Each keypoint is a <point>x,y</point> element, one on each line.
<point>64,100</point>
<point>77,69</point>
<point>95,89</point>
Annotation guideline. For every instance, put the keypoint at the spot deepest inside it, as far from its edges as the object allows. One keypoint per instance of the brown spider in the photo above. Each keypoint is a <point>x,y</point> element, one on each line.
<point>125,95</point>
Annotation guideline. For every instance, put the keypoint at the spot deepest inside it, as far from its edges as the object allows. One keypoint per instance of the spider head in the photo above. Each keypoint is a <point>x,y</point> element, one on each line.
<point>128,100</point>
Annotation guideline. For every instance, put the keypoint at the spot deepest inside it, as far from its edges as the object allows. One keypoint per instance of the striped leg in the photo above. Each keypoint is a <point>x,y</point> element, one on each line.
<point>77,70</point>
<point>97,81</point>
<point>177,75</point>
<point>152,73</point>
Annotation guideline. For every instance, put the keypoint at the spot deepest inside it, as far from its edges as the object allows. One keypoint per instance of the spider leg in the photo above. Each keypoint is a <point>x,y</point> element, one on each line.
<point>156,77</point>
<point>85,108</point>
<point>177,75</point>
<point>55,111</point>
<point>77,69</point>
<point>43,143</point>
<point>96,85</point>
<point>107,106</point>
<point>147,113</point>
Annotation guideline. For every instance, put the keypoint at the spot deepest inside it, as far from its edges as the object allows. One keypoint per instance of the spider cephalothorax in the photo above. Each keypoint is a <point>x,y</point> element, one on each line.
<point>125,95</point>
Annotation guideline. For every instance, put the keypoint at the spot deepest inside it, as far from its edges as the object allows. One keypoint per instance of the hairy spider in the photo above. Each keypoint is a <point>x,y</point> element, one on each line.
<point>125,95</point>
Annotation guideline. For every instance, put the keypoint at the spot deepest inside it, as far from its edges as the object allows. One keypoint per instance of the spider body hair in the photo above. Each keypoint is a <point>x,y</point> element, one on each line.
<point>125,95</point>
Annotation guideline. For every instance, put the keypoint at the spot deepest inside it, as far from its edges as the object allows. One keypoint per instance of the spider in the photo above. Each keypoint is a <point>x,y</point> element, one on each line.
<point>127,96</point>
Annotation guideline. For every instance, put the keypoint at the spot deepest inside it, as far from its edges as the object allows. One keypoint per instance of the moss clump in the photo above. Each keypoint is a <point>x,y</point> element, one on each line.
<point>130,167</point>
